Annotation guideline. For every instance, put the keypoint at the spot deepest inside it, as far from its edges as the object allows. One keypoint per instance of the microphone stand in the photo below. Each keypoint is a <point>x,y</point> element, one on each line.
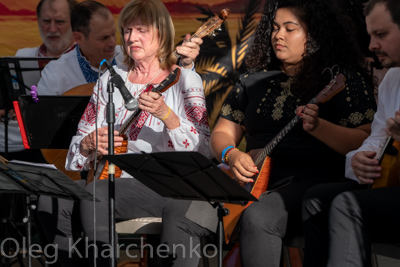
<point>6,111</point>
<point>6,103</point>
<point>111,171</point>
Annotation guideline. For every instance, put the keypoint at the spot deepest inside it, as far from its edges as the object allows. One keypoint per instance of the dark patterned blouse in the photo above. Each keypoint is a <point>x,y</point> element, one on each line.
<point>263,103</point>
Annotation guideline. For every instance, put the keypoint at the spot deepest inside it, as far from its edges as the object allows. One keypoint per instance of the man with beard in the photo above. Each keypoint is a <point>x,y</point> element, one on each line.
<point>341,226</point>
<point>54,22</point>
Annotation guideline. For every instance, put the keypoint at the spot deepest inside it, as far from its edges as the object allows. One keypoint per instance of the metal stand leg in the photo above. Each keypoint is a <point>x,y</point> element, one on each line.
<point>221,213</point>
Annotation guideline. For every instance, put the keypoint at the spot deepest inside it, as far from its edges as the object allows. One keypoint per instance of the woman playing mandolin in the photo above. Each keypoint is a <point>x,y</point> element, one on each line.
<point>173,119</point>
<point>299,48</point>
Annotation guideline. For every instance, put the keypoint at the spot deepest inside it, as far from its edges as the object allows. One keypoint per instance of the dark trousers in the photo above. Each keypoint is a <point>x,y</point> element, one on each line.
<point>316,205</point>
<point>357,219</point>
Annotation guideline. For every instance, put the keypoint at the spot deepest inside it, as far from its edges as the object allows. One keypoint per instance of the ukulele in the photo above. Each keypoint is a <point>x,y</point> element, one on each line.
<point>263,161</point>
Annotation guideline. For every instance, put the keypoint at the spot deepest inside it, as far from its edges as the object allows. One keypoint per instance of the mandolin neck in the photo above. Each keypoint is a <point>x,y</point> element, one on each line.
<point>178,56</point>
<point>267,150</point>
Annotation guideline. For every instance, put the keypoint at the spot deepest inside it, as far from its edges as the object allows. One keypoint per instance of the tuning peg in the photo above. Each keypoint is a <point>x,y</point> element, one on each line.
<point>219,29</point>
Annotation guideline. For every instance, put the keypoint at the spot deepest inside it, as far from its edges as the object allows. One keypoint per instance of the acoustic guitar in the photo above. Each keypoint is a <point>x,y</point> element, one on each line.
<point>58,156</point>
<point>389,160</point>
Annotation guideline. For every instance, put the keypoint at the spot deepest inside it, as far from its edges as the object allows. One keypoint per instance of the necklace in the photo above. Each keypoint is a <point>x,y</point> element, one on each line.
<point>145,86</point>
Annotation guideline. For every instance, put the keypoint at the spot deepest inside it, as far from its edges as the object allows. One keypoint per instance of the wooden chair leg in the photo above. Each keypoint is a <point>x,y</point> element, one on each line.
<point>293,257</point>
<point>286,257</point>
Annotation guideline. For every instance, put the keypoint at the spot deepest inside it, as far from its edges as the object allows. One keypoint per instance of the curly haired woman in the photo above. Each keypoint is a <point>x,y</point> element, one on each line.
<point>299,46</point>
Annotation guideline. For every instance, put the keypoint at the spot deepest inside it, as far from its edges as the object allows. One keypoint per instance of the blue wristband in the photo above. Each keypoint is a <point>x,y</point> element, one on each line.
<point>224,152</point>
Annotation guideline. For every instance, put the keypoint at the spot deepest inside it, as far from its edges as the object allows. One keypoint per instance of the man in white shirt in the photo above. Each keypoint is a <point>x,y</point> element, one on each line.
<point>354,219</point>
<point>95,35</point>
<point>54,22</point>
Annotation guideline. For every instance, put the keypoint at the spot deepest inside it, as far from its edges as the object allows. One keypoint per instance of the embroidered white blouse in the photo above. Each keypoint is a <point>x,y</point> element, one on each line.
<point>148,133</point>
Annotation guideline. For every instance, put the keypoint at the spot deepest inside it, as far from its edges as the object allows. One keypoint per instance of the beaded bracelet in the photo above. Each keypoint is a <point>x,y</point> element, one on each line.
<point>227,153</point>
<point>224,153</point>
<point>169,111</point>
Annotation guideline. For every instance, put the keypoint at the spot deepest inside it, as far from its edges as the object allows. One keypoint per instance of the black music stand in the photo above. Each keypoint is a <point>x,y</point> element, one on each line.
<point>35,179</point>
<point>17,75</point>
<point>185,175</point>
<point>50,123</point>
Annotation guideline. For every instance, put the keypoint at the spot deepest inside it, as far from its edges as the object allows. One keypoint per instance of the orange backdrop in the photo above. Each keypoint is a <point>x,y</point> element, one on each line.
<point>221,57</point>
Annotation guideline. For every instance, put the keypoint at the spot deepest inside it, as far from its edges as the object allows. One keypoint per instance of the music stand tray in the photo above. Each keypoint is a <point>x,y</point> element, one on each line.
<point>39,179</point>
<point>185,175</point>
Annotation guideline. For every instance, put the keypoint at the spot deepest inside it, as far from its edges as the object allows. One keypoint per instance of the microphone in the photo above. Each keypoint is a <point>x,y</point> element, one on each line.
<point>131,103</point>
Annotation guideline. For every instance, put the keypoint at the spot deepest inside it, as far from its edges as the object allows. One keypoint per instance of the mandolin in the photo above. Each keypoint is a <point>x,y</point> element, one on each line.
<point>209,27</point>
<point>263,161</point>
<point>389,160</point>
<point>169,81</point>
<point>58,156</point>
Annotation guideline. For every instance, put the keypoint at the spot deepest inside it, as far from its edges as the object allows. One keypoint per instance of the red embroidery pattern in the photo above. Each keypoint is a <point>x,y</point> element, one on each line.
<point>186,143</point>
<point>89,115</point>
<point>193,130</point>
<point>170,144</point>
<point>137,125</point>
<point>197,114</point>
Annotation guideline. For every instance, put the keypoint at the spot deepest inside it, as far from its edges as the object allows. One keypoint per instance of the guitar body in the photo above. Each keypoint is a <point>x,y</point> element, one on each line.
<point>58,156</point>
<point>235,211</point>
<point>390,174</point>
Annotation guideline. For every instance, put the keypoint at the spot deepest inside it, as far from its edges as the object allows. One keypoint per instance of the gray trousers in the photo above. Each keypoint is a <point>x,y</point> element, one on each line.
<point>132,200</point>
<point>58,224</point>
<point>265,223</point>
